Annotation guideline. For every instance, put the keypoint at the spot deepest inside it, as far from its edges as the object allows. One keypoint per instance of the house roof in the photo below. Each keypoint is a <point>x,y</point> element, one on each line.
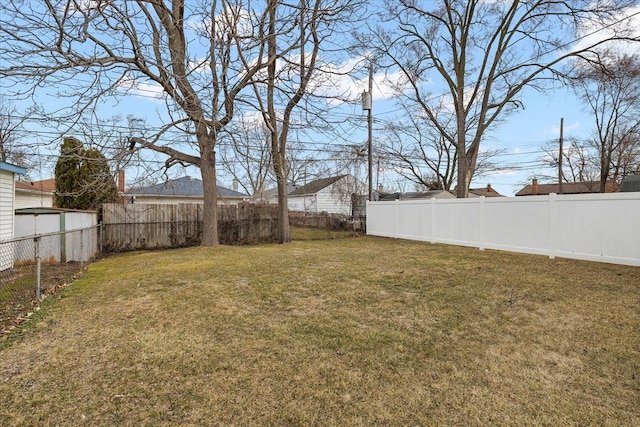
<point>185,186</point>
<point>630,183</point>
<point>315,186</point>
<point>487,191</point>
<point>4,166</point>
<point>273,192</point>
<point>569,188</point>
<point>48,185</point>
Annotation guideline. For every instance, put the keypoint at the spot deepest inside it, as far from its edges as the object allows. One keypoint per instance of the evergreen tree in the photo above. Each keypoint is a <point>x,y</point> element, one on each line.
<point>83,178</point>
<point>98,184</point>
<point>67,173</point>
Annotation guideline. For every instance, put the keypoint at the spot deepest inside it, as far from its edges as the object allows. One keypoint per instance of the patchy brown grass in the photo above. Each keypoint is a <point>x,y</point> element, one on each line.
<point>364,331</point>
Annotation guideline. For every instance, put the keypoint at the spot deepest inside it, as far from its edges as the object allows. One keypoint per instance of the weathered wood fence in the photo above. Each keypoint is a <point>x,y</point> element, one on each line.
<point>150,226</point>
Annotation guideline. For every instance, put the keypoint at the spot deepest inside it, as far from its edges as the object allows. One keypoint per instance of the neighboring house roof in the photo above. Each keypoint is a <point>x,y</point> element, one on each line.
<point>487,191</point>
<point>630,183</point>
<point>433,194</point>
<point>31,194</point>
<point>567,188</point>
<point>315,186</point>
<point>272,192</point>
<point>185,186</point>
<point>4,166</point>
<point>46,185</point>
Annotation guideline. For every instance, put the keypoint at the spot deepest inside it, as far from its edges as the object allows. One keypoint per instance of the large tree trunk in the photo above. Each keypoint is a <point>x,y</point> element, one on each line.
<point>210,211</point>
<point>464,176</point>
<point>605,167</point>
<point>284,233</point>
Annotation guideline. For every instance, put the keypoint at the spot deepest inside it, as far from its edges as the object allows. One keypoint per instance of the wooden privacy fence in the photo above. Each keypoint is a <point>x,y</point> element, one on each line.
<point>149,226</point>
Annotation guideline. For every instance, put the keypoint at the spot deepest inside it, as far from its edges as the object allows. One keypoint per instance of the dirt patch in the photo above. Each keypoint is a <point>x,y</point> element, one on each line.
<point>18,290</point>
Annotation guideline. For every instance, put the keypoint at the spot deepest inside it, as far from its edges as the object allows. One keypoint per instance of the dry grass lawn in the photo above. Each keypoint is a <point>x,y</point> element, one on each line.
<point>363,331</point>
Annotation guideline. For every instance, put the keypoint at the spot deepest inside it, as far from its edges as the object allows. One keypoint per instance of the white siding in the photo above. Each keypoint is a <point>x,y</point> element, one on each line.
<point>33,199</point>
<point>334,199</point>
<point>50,249</point>
<point>6,204</point>
<point>6,218</point>
<point>302,203</point>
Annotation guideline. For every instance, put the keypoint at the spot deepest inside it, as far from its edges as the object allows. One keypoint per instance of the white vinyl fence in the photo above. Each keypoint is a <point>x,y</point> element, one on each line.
<point>594,227</point>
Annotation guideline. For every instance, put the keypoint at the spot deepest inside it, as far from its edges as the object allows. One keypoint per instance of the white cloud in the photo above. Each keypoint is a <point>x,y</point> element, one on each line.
<point>337,81</point>
<point>628,20</point>
<point>555,129</point>
<point>143,89</point>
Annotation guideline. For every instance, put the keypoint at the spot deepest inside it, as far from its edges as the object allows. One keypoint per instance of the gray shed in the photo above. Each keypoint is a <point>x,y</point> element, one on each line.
<point>630,183</point>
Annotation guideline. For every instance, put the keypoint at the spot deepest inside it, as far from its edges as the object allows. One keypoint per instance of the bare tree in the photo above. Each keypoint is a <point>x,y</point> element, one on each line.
<point>611,92</point>
<point>579,164</point>
<point>199,56</point>
<point>419,152</point>
<point>246,156</point>
<point>483,54</point>
<point>295,34</point>
<point>12,148</point>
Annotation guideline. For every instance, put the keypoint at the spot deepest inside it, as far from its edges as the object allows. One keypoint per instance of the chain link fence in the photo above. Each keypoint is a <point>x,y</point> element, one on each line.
<point>312,226</point>
<point>33,266</point>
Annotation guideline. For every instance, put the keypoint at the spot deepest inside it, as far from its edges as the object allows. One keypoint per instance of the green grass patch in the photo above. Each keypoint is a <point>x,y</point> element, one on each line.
<point>365,331</point>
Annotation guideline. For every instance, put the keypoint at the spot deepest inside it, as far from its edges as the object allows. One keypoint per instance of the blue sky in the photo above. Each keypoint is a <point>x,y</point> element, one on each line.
<point>522,135</point>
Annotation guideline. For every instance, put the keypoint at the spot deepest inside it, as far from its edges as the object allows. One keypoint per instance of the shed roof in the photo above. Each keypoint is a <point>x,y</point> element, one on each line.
<point>47,211</point>
<point>4,166</point>
<point>185,186</point>
<point>315,186</point>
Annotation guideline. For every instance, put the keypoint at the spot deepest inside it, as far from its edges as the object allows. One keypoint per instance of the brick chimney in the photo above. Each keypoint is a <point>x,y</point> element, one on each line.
<point>489,189</point>
<point>534,187</point>
<point>235,184</point>
<point>120,181</point>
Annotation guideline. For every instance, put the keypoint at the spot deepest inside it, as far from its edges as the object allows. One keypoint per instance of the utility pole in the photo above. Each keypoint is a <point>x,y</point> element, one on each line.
<point>366,105</point>
<point>560,157</point>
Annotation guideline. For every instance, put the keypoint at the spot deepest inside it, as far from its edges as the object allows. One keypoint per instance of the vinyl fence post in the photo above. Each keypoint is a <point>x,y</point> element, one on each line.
<point>396,219</point>
<point>36,240</point>
<point>553,224</point>
<point>482,218</point>
<point>433,220</point>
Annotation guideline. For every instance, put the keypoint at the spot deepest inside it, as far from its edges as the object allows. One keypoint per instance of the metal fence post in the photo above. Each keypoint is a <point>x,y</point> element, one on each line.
<point>82,248</point>
<point>101,236</point>
<point>38,266</point>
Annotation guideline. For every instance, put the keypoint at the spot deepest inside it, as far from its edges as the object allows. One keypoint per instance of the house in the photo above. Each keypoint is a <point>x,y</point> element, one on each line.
<point>182,190</point>
<point>35,194</point>
<point>332,195</point>
<point>630,183</point>
<point>271,195</point>
<point>7,206</point>
<point>487,191</point>
<point>535,189</point>
<point>7,197</point>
